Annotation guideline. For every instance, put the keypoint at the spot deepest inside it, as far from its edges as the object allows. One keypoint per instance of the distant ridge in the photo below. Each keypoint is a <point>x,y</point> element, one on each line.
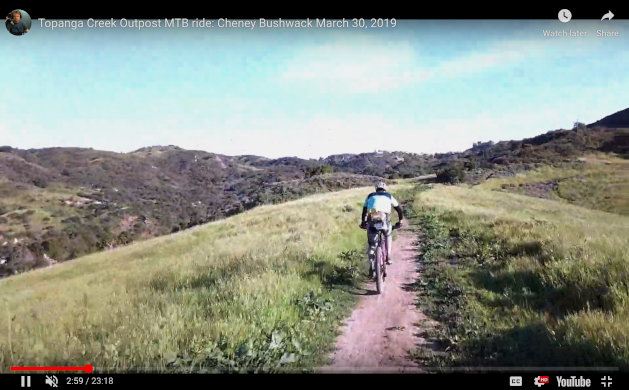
<point>616,120</point>
<point>159,148</point>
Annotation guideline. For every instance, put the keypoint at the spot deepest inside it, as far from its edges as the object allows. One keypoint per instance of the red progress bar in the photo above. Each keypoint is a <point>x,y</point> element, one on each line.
<point>88,368</point>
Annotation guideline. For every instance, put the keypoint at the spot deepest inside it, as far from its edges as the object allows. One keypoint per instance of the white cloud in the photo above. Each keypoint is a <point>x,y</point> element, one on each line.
<point>476,62</point>
<point>381,67</point>
<point>354,68</point>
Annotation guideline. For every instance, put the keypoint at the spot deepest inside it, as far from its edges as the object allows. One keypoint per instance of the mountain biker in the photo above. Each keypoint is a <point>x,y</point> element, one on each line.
<point>377,207</point>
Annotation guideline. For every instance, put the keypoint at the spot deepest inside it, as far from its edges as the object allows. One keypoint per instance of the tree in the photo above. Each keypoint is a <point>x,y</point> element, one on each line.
<point>578,126</point>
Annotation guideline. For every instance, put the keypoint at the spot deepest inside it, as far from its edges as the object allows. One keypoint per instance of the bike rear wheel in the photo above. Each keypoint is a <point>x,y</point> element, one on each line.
<point>379,270</point>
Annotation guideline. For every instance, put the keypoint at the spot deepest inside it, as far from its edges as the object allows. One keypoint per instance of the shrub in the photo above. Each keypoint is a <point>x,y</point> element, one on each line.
<point>452,174</point>
<point>319,170</point>
<point>471,164</point>
<point>125,238</point>
<point>41,183</point>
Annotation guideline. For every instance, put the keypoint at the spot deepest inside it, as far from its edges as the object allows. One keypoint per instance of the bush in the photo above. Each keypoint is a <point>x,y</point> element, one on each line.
<point>452,174</point>
<point>471,164</point>
<point>319,170</point>
<point>56,246</point>
<point>501,160</point>
<point>566,149</point>
<point>41,183</point>
<point>125,238</point>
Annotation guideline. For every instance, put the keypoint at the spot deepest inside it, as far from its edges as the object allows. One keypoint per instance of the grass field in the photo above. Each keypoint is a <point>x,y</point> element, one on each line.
<point>516,280</point>
<point>513,280</point>
<point>599,182</point>
<point>264,289</point>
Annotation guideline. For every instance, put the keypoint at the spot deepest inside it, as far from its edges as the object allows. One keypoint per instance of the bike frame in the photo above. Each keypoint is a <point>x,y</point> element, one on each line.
<point>380,252</point>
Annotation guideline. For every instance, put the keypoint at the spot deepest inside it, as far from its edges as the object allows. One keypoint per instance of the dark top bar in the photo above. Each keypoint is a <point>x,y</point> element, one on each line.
<point>419,10</point>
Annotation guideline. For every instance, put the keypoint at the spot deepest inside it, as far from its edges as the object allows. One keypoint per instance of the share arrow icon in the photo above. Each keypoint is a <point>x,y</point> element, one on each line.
<point>608,16</point>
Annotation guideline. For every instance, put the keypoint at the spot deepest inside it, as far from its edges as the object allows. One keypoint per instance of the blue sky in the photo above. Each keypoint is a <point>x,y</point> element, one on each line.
<point>424,86</point>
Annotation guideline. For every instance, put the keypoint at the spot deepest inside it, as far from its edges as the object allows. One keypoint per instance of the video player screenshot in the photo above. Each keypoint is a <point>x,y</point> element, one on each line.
<point>190,194</point>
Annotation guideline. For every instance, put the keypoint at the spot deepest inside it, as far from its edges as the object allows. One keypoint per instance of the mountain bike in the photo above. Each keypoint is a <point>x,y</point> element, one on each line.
<point>381,251</point>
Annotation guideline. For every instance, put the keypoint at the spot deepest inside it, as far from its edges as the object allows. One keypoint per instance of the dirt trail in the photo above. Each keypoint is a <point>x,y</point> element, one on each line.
<point>384,328</point>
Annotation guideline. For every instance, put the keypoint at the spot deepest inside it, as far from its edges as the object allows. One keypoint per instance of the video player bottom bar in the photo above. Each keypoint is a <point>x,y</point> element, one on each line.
<point>525,380</point>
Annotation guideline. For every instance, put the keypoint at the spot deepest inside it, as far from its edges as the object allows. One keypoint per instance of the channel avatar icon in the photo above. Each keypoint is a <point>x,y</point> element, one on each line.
<point>17,22</point>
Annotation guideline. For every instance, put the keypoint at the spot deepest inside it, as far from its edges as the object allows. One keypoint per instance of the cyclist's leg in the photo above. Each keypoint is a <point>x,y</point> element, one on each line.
<point>371,248</point>
<point>389,242</point>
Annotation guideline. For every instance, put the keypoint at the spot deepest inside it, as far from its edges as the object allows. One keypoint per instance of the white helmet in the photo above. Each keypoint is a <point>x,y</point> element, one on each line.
<point>381,185</point>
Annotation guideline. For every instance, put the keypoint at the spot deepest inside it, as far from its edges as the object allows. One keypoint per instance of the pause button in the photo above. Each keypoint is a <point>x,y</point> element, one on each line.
<point>25,381</point>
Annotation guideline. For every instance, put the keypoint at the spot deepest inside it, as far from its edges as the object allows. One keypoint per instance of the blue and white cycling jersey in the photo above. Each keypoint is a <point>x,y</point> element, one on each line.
<point>380,202</point>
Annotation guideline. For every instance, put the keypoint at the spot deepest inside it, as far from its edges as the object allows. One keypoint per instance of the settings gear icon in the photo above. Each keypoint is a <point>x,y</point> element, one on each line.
<point>541,380</point>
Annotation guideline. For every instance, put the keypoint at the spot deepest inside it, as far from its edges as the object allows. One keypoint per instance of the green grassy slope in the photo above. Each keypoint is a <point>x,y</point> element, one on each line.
<point>513,280</point>
<point>263,289</point>
<point>517,280</point>
<point>598,181</point>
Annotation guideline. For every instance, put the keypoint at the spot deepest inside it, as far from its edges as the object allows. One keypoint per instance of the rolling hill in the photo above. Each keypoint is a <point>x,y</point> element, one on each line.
<point>512,279</point>
<point>249,290</point>
<point>520,277</point>
<point>60,203</point>
<point>619,119</point>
